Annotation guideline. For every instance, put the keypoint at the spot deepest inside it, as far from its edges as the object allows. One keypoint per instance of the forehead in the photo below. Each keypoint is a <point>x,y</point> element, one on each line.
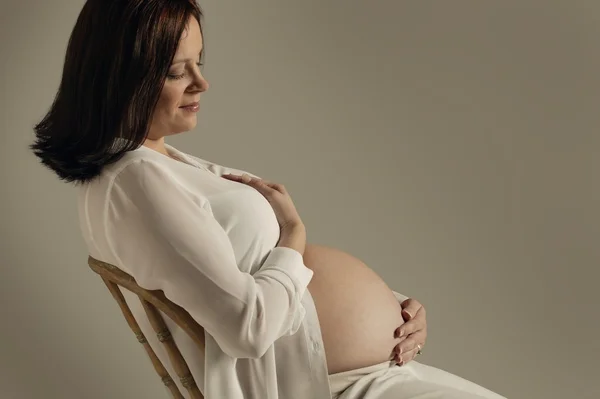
<point>191,39</point>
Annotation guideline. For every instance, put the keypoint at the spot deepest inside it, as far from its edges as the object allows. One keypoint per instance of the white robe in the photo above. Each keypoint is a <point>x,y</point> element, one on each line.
<point>210,245</point>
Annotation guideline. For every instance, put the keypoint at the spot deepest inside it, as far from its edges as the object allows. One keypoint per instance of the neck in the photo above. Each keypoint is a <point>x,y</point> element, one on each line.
<point>157,145</point>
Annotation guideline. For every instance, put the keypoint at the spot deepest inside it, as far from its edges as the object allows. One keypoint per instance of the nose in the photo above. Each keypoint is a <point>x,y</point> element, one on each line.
<point>199,84</point>
<point>203,84</point>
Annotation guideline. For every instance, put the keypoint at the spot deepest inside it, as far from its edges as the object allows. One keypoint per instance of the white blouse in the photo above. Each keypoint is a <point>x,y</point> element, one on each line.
<point>210,245</point>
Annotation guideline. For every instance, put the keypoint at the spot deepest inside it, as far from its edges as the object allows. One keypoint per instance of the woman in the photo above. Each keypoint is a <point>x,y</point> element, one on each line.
<point>283,318</point>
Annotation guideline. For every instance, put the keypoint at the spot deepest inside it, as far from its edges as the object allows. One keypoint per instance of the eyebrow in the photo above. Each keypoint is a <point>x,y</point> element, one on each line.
<point>186,59</point>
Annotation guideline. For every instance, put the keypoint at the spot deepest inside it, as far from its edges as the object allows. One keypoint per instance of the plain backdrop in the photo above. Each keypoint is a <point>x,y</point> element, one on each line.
<point>453,146</point>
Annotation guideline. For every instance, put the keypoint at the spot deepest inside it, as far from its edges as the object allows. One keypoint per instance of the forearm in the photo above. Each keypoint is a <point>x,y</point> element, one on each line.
<point>293,237</point>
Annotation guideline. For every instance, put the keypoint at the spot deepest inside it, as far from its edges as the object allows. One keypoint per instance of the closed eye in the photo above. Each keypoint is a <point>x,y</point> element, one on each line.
<point>177,77</point>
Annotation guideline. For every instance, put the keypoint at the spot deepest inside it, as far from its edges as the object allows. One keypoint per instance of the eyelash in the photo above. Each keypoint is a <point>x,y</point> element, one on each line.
<point>177,77</point>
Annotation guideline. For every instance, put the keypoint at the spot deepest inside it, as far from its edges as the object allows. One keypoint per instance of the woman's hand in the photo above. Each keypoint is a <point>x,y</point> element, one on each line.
<point>278,197</point>
<point>413,333</point>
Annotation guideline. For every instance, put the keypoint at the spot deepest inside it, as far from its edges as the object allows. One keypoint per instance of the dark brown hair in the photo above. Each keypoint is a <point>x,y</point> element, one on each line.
<point>117,60</point>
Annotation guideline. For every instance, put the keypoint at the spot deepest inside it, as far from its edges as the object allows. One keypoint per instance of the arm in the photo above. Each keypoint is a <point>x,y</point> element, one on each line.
<point>220,170</point>
<point>168,241</point>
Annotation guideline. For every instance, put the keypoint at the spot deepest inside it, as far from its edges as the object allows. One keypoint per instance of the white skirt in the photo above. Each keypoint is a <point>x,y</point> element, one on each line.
<point>414,380</point>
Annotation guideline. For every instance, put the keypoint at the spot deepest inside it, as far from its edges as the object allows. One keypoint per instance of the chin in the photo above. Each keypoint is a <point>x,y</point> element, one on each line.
<point>187,125</point>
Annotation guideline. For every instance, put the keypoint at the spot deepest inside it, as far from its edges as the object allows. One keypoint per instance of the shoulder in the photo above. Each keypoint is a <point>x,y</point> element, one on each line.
<point>134,175</point>
<point>132,161</point>
<point>142,175</point>
<point>150,182</point>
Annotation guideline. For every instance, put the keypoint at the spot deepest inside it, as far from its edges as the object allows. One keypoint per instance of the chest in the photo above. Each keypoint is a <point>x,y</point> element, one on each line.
<point>246,217</point>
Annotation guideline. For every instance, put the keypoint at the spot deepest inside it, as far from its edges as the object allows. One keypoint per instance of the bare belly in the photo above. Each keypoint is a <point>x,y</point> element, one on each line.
<point>358,313</point>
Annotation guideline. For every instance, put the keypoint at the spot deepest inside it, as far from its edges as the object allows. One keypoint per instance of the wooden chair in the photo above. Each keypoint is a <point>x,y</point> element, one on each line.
<point>152,301</point>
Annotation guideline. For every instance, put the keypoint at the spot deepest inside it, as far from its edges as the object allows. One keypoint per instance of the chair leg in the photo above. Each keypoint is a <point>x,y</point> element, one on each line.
<point>158,366</point>
<point>177,360</point>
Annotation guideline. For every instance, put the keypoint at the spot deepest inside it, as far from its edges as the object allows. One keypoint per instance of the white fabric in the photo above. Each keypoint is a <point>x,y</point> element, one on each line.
<point>209,244</point>
<point>414,380</point>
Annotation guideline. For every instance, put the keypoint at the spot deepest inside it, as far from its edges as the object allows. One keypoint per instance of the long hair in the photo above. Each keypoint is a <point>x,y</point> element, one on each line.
<point>116,63</point>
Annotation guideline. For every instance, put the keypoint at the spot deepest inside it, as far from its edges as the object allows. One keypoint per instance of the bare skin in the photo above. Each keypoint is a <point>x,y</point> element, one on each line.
<point>358,313</point>
<point>183,86</point>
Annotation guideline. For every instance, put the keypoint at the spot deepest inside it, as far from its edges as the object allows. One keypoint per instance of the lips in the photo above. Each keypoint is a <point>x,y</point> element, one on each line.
<point>190,105</point>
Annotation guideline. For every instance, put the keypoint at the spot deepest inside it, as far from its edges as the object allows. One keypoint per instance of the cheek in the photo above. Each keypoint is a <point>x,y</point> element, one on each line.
<point>170,99</point>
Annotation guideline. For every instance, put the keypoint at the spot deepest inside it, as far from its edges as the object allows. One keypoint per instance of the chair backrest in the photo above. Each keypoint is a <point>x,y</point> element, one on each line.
<point>152,301</point>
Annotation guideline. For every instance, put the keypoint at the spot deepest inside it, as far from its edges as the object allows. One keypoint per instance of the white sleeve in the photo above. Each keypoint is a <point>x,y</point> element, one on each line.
<point>401,298</point>
<point>167,240</point>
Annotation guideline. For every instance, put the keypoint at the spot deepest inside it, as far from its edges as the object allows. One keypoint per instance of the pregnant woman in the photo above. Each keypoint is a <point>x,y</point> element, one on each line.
<point>282,318</point>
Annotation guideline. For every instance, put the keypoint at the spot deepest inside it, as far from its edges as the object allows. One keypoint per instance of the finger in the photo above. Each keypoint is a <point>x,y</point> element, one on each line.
<point>249,180</point>
<point>245,177</point>
<point>405,357</point>
<point>410,307</point>
<point>256,182</point>
<point>396,348</point>
<point>411,342</point>
<point>405,345</point>
<point>233,177</point>
<point>407,350</point>
<point>410,314</point>
<point>261,186</point>
<point>415,324</point>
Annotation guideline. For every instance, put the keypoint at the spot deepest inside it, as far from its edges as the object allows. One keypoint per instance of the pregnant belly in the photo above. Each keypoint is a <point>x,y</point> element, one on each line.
<point>358,313</point>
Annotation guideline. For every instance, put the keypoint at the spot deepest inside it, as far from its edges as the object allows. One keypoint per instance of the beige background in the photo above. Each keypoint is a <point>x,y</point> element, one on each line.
<point>451,145</point>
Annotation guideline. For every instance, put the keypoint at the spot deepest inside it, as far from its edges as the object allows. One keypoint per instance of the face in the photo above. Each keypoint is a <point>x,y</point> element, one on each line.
<point>183,86</point>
